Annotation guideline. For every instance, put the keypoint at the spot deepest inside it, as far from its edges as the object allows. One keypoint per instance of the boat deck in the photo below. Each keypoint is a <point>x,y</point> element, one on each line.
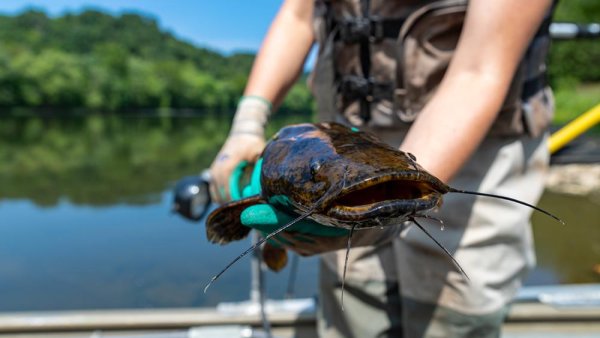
<point>557,311</point>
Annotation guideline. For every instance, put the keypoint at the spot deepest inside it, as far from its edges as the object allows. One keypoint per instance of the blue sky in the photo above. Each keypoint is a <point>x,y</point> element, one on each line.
<point>225,25</point>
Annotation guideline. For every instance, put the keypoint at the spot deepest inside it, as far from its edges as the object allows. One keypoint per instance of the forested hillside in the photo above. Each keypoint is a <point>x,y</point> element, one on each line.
<point>99,61</point>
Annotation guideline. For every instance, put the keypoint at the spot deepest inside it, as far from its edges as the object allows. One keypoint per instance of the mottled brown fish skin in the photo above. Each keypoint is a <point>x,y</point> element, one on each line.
<point>305,162</point>
<point>344,177</point>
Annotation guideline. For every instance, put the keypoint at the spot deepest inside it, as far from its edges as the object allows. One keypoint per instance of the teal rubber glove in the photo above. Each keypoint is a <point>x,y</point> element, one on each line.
<point>265,217</point>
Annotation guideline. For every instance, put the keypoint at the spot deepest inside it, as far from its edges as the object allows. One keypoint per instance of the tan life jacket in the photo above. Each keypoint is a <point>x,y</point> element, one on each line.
<point>380,61</point>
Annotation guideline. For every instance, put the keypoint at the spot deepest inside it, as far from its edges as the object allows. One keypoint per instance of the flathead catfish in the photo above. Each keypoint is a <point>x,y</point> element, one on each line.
<point>339,177</point>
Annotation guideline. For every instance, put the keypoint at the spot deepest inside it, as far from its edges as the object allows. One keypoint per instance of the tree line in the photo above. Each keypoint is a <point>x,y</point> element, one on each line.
<point>103,62</point>
<point>113,63</point>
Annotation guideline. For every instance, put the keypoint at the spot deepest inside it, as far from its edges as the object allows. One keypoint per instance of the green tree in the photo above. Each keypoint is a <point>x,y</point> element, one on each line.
<point>575,61</point>
<point>96,60</point>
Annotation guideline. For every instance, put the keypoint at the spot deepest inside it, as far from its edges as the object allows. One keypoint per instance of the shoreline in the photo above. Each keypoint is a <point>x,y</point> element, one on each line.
<point>574,179</point>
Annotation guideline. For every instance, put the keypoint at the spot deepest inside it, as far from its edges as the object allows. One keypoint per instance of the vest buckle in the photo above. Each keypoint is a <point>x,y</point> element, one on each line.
<point>356,30</point>
<point>356,87</point>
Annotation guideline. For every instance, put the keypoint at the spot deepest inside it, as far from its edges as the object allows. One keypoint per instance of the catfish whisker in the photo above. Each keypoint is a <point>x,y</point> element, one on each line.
<point>442,247</point>
<point>346,263</point>
<point>508,199</point>
<point>256,245</point>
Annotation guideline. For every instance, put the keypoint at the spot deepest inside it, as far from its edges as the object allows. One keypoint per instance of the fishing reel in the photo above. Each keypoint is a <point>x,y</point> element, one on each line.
<point>192,193</point>
<point>192,196</point>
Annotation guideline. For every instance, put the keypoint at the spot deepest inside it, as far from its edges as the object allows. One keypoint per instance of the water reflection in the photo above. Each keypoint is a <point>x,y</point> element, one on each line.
<point>85,221</point>
<point>569,253</point>
<point>102,160</point>
<point>122,256</point>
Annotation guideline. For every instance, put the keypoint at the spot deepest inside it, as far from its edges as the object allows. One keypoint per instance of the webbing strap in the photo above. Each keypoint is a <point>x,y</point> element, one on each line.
<point>373,29</point>
<point>365,63</point>
<point>534,85</point>
<point>355,87</point>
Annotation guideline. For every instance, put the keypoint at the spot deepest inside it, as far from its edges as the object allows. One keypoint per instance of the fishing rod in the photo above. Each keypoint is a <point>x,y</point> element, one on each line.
<point>574,129</point>
<point>257,289</point>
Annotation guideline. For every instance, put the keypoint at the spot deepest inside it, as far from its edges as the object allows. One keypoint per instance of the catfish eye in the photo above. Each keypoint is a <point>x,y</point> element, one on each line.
<point>314,168</point>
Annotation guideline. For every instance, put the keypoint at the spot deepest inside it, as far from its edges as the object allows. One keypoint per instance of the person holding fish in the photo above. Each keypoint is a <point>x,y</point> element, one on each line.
<point>462,87</point>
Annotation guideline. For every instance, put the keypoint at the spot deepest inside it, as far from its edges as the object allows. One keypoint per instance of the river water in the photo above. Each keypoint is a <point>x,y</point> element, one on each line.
<point>85,220</point>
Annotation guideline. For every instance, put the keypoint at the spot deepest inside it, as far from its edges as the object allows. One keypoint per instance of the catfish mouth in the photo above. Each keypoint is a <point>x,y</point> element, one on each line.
<point>391,196</point>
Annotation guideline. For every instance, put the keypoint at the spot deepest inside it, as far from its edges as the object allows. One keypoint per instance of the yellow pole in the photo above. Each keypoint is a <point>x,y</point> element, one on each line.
<point>574,128</point>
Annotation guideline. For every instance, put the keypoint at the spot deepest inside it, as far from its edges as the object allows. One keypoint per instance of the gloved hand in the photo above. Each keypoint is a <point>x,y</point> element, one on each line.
<point>245,142</point>
<point>303,237</point>
<point>307,237</point>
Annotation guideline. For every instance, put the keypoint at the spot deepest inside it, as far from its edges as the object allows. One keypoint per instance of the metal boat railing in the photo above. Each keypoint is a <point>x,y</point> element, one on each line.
<point>535,308</point>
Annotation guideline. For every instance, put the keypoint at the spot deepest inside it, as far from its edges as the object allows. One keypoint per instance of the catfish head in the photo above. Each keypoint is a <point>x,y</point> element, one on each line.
<point>346,177</point>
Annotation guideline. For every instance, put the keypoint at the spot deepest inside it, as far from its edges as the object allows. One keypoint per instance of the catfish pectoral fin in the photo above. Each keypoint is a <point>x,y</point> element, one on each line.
<point>275,257</point>
<point>223,225</point>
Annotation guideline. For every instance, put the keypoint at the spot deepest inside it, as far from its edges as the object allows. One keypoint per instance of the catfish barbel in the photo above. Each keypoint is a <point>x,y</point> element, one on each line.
<point>339,177</point>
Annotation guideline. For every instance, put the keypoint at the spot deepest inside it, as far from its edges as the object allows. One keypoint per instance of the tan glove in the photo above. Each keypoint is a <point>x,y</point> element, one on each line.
<point>245,142</point>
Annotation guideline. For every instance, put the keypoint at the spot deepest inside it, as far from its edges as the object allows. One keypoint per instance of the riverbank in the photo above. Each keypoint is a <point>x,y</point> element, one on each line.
<point>576,179</point>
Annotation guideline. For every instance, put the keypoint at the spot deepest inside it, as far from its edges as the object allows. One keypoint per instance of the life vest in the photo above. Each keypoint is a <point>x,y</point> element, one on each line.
<point>380,61</point>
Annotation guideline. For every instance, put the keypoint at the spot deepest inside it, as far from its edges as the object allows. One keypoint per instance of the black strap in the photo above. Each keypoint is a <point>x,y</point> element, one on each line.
<point>363,31</point>
<point>365,63</point>
<point>354,87</point>
<point>544,29</point>
<point>533,86</point>
<point>372,29</point>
